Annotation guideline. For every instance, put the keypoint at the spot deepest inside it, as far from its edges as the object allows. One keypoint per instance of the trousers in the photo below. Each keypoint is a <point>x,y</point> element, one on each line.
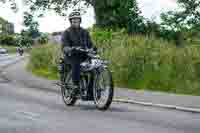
<point>75,61</point>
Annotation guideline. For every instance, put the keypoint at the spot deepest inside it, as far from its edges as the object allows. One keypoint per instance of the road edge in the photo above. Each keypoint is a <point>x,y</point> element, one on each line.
<point>14,62</point>
<point>2,68</point>
<point>174,107</point>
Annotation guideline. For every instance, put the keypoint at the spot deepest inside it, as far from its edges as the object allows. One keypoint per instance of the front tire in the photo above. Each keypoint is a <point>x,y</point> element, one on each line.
<point>66,92</point>
<point>101,84</point>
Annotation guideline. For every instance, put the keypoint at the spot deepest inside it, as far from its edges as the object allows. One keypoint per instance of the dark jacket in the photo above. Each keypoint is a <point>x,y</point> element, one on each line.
<point>76,37</point>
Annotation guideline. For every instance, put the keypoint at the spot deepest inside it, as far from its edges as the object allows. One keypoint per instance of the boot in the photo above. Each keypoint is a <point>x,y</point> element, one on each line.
<point>76,89</point>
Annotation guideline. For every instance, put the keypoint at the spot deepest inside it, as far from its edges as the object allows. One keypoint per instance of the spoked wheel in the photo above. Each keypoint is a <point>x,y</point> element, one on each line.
<point>67,91</point>
<point>103,89</point>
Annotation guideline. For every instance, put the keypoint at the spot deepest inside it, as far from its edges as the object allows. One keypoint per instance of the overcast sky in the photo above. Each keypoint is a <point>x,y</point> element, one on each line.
<point>51,22</point>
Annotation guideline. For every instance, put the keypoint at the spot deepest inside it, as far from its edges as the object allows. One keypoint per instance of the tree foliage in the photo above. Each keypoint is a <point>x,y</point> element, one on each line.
<point>188,16</point>
<point>108,13</point>
<point>24,39</point>
<point>8,40</point>
<point>59,6</point>
<point>184,22</point>
<point>31,24</point>
<point>12,3</point>
<point>135,20</point>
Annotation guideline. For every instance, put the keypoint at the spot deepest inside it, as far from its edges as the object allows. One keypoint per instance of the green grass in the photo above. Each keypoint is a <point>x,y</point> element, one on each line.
<point>138,62</point>
<point>43,72</point>
<point>43,61</point>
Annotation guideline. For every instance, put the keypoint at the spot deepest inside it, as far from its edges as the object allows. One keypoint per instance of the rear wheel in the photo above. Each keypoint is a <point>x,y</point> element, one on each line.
<point>103,89</point>
<point>66,91</point>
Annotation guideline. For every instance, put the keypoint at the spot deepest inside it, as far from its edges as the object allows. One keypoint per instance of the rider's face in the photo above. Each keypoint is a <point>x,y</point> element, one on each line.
<point>76,22</point>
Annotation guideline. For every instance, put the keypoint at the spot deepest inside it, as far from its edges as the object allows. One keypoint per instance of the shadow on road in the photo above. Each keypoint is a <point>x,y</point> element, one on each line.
<point>90,107</point>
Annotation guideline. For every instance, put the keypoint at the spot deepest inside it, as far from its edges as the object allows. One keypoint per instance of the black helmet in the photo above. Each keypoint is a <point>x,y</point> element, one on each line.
<point>75,14</point>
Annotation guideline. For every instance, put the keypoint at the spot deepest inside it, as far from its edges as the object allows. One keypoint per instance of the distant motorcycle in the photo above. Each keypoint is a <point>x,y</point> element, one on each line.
<point>96,82</point>
<point>20,51</point>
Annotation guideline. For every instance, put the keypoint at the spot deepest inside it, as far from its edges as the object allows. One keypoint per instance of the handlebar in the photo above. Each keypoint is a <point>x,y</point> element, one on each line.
<point>91,51</point>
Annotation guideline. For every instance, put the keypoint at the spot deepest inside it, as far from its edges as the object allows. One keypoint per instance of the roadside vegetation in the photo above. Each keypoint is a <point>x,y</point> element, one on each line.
<point>43,61</point>
<point>138,62</point>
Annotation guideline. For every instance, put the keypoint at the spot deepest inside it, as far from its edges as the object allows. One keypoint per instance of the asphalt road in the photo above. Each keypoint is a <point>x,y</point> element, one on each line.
<point>31,110</point>
<point>26,110</point>
<point>6,59</point>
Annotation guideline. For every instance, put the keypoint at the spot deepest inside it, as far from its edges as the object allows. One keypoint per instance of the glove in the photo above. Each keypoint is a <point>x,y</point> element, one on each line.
<point>71,50</point>
<point>67,50</point>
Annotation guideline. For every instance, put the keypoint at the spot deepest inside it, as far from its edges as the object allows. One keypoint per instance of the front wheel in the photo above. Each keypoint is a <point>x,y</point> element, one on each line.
<point>103,89</point>
<point>68,99</point>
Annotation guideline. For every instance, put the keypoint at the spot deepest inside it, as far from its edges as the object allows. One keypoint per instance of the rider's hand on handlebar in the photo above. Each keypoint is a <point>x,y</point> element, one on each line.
<point>80,49</point>
<point>71,49</point>
<point>67,49</point>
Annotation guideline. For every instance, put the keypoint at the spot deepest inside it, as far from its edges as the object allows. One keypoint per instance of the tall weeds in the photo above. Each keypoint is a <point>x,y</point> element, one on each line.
<point>138,62</point>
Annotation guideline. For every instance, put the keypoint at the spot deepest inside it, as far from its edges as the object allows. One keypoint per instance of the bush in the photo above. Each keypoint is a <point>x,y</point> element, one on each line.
<point>43,39</point>
<point>138,62</point>
<point>44,60</point>
<point>149,63</point>
<point>26,41</point>
<point>8,40</point>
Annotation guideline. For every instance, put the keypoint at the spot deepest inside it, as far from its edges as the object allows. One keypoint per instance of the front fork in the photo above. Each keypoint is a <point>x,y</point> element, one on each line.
<point>89,79</point>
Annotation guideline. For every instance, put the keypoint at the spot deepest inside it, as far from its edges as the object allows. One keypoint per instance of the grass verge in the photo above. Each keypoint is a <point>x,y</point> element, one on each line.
<point>137,62</point>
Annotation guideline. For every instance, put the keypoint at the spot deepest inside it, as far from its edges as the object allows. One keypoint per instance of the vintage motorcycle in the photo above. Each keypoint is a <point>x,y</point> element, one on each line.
<point>96,83</point>
<point>20,51</point>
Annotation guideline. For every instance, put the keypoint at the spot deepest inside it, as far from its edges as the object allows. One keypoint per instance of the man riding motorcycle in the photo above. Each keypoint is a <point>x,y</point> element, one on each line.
<point>75,36</point>
<point>20,50</point>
